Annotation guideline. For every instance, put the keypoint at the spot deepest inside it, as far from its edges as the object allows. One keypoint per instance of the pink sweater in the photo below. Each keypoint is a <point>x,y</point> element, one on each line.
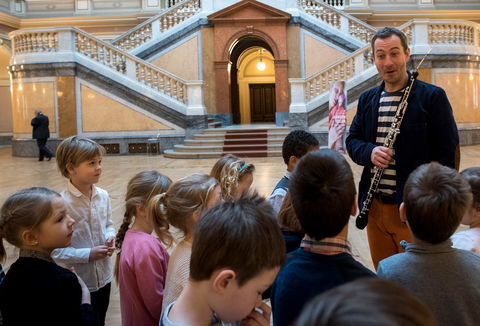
<point>141,278</point>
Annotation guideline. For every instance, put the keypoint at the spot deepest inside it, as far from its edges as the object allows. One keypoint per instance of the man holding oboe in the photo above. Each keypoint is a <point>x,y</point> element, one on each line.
<point>428,133</point>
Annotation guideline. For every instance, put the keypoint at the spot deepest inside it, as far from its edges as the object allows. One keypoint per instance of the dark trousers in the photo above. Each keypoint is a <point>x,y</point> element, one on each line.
<point>100,300</point>
<point>43,149</point>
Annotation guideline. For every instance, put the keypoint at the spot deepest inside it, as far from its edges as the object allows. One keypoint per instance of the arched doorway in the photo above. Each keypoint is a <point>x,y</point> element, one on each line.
<point>242,26</point>
<point>252,82</point>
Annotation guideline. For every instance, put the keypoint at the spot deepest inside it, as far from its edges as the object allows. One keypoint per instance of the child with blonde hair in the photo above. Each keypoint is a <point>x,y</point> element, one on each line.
<point>470,239</point>
<point>79,160</point>
<point>142,260</point>
<point>36,291</point>
<point>182,206</point>
<point>234,175</point>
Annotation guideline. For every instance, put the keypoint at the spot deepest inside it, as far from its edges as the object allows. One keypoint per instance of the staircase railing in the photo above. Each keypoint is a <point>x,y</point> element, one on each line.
<point>71,44</point>
<point>155,26</point>
<point>444,36</point>
<point>337,19</point>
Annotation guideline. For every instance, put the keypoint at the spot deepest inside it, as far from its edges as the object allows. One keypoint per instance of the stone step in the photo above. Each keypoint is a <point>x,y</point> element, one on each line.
<point>170,153</point>
<point>173,154</point>
<point>225,148</point>
<point>217,136</point>
<point>215,124</point>
<point>286,130</point>
<point>220,142</point>
<point>215,142</point>
<point>253,153</point>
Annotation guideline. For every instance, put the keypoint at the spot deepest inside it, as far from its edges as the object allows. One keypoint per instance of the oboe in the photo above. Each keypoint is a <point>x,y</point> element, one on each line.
<point>362,218</point>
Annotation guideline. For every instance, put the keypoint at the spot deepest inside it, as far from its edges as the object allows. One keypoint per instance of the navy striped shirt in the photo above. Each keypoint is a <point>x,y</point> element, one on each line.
<point>386,113</point>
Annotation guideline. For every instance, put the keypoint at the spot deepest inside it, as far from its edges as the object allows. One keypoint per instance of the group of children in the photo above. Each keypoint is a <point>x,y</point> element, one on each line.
<point>231,245</point>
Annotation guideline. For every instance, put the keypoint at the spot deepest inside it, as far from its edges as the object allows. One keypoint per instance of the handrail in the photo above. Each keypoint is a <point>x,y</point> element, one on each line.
<point>147,30</point>
<point>439,32</point>
<point>332,16</point>
<point>342,69</point>
<point>48,40</point>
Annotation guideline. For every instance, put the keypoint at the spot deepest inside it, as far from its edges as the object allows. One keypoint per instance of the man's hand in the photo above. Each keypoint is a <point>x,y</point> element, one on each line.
<point>382,156</point>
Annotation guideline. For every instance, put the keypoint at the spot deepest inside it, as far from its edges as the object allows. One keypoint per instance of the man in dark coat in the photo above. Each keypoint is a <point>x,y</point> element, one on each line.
<point>41,134</point>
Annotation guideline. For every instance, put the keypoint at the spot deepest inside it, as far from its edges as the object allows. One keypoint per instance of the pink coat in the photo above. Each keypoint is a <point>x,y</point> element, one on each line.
<point>141,278</point>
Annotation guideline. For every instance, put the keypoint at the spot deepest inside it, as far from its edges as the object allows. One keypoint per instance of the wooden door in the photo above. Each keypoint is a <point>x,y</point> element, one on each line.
<point>262,102</point>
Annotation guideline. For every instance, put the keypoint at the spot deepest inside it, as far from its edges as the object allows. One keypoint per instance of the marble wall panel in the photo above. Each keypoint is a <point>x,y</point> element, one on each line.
<point>208,69</point>
<point>293,50</point>
<point>101,113</point>
<point>463,91</point>
<point>5,110</point>
<point>28,96</point>
<point>318,55</point>
<point>181,60</point>
<point>67,118</point>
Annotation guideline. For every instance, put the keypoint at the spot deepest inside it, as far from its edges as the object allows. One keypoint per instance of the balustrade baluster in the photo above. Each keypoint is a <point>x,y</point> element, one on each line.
<point>23,43</point>
<point>95,51</point>
<point>444,35</point>
<point>118,62</point>
<point>101,54</point>
<point>161,83</point>
<point>166,87</point>
<point>30,43</point>
<point>149,77</point>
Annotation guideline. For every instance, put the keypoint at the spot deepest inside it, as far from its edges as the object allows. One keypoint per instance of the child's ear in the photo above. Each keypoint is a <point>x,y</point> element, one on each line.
<point>402,213</point>
<point>70,168</point>
<point>292,162</point>
<point>29,238</point>
<point>196,215</point>
<point>140,210</point>
<point>223,279</point>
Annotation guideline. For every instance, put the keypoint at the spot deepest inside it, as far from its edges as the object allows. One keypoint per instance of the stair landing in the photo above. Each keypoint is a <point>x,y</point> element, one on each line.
<point>239,140</point>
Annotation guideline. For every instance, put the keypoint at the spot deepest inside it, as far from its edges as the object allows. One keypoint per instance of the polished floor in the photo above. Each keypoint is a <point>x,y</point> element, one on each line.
<point>17,173</point>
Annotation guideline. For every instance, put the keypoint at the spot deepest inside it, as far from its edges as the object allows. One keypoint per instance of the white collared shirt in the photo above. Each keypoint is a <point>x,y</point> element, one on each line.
<point>278,195</point>
<point>93,226</point>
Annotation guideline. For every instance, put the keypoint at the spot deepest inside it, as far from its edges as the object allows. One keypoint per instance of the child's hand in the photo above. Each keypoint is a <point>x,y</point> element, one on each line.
<point>257,318</point>
<point>110,243</point>
<point>98,252</point>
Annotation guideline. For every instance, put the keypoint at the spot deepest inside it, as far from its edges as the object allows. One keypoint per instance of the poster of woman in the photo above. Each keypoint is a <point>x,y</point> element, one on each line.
<point>337,116</point>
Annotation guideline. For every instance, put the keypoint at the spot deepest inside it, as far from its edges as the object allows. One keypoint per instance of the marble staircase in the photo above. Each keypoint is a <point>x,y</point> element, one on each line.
<point>243,141</point>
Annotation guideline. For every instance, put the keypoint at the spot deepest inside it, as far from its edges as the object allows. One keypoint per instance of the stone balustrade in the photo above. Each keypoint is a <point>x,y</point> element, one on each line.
<point>451,34</point>
<point>155,26</point>
<point>36,42</point>
<point>445,36</point>
<point>343,69</point>
<point>337,19</point>
<point>68,42</point>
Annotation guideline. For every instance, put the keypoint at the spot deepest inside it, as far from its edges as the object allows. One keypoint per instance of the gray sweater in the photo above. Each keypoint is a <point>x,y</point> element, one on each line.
<point>446,279</point>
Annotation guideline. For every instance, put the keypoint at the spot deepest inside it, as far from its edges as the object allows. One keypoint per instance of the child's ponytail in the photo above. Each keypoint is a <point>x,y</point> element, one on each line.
<point>140,189</point>
<point>127,220</point>
<point>157,209</point>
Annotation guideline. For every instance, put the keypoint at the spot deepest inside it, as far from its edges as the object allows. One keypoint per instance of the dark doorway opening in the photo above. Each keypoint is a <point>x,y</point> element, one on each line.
<point>262,102</point>
<point>242,45</point>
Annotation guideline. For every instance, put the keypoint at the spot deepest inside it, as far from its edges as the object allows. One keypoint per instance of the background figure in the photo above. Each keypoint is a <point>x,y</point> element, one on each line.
<point>337,116</point>
<point>41,133</point>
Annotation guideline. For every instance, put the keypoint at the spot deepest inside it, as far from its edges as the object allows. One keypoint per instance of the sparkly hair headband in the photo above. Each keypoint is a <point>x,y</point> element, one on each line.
<point>244,166</point>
